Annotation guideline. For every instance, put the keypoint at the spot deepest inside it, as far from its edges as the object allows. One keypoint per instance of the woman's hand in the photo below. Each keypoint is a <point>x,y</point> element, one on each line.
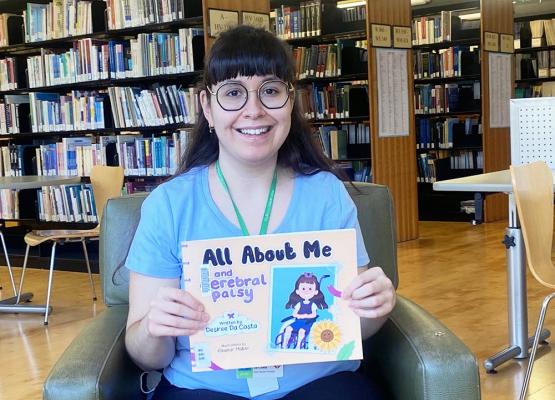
<point>175,312</point>
<point>371,294</point>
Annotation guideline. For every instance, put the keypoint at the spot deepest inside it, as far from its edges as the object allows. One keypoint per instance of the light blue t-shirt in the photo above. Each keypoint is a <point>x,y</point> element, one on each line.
<point>183,209</point>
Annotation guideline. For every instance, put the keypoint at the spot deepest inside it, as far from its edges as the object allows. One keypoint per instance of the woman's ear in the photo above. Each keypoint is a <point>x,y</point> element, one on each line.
<point>205,104</point>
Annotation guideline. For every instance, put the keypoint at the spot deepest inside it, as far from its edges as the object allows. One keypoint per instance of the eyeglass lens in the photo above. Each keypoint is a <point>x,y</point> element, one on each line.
<point>233,96</point>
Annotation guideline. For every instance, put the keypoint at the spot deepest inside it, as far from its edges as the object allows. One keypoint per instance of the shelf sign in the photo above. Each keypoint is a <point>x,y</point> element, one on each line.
<point>221,20</point>
<point>402,37</point>
<point>258,20</point>
<point>381,35</point>
<point>507,43</point>
<point>491,41</point>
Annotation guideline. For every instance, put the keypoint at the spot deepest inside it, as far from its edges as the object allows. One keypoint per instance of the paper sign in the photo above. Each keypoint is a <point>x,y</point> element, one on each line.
<point>381,35</point>
<point>507,43</point>
<point>402,37</point>
<point>491,41</point>
<point>258,20</point>
<point>221,20</point>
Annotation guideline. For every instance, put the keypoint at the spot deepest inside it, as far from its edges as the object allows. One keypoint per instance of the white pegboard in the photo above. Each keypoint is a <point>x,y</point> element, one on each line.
<point>533,131</point>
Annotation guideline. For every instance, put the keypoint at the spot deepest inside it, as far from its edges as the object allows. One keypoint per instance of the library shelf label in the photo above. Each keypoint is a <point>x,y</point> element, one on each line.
<point>507,43</point>
<point>381,35</point>
<point>258,20</point>
<point>491,41</point>
<point>402,37</point>
<point>221,20</point>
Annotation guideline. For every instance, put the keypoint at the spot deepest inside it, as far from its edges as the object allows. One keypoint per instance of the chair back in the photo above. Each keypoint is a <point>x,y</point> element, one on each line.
<point>533,192</point>
<point>106,183</point>
<point>122,214</point>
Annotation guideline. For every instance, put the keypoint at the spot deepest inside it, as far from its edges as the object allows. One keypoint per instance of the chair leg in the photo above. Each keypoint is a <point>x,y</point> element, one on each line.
<point>532,357</point>
<point>8,264</point>
<point>89,268</point>
<point>23,273</point>
<point>52,256</point>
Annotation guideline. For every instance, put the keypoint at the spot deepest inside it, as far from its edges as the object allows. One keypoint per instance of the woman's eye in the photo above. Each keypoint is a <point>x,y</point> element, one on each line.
<point>270,91</point>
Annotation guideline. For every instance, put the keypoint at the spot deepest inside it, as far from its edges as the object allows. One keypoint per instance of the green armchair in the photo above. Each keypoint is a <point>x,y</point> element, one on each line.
<point>414,355</point>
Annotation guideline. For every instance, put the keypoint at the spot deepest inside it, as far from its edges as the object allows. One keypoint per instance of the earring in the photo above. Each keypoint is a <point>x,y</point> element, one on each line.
<point>211,129</point>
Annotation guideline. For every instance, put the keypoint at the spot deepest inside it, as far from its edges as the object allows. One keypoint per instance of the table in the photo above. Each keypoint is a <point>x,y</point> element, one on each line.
<point>12,305</point>
<point>519,342</point>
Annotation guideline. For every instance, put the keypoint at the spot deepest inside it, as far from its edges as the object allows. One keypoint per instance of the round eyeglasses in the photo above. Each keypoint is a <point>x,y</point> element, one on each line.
<point>233,96</point>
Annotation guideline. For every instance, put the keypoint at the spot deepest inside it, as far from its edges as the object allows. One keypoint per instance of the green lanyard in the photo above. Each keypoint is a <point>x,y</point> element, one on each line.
<point>269,202</point>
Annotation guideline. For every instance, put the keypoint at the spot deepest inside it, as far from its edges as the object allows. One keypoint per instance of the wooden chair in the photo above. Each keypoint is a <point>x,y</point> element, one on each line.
<point>533,191</point>
<point>106,183</point>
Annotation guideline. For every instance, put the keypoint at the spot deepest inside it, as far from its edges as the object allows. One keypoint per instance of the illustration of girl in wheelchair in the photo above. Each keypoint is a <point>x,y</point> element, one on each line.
<point>305,300</point>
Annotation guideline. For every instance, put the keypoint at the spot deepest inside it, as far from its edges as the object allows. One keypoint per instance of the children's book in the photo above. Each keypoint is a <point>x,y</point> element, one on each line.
<point>273,299</point>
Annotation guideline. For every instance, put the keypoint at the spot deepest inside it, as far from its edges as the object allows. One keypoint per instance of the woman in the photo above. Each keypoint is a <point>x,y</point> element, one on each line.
<point>252,168</point>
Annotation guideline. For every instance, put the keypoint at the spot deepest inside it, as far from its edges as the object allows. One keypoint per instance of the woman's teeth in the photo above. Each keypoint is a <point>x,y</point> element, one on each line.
<point>257,131</point>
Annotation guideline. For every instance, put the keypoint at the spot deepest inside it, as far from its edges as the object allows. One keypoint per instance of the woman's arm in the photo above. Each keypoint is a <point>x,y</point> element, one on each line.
<point>372,297</point>
<point>159,312</point>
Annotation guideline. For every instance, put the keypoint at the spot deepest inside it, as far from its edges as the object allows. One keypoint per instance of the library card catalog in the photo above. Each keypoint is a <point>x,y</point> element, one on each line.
<point>273,299</point>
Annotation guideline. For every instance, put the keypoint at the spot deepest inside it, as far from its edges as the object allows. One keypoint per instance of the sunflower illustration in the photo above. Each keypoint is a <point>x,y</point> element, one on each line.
<point>325,335</point>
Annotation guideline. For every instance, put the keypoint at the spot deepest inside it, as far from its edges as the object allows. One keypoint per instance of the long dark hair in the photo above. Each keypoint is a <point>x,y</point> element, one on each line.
<point>318,299</point>
<point>249,51</point>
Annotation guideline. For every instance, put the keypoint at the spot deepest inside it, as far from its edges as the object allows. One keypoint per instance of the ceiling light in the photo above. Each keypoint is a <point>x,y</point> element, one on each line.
<point>419,2</point>
<point>470,16</point>
<point>350,3</point>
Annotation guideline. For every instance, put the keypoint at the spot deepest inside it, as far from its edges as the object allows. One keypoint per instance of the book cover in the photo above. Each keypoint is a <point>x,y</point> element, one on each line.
<point>273,299</point>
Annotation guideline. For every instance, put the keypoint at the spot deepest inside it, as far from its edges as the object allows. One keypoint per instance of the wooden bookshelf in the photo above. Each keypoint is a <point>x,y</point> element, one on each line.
<point>497,16</point>
<point>393,158</point>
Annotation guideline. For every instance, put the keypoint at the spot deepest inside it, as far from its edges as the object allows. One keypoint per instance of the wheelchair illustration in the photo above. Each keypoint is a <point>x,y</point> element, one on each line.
<point>296,325</point>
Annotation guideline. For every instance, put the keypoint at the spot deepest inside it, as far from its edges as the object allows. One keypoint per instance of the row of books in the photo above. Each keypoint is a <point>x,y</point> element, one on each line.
<point>14,114</point>
<point>356,171</point>
<point>335,140</point>
<point>60,18</point>
<point>434,165</point>
<point>8,77</point>
<point>334,100</point>
<point>78,110</point>
<point>432,29</point>
<point>535,33</point>
<point>447,97</point>
<point>346,56</point>
<point>139,156</point>
<point>75,156</point>
<point>353,14</point>
<point>292,22</point>
<point>537,65</point>
<point>161,105</point>
<point>446,63</point>
<point>544,89</point>
<point>148,55</point>
<point>67,203</point>
<point>446,133</point>
<point>129,13</point>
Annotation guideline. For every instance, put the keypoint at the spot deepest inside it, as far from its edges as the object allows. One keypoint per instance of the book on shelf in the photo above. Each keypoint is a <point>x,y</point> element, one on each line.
<point>10,29</point>
<point>338,144</point>
<point>537,28</point>
<point>9,204</point>
<point>77,110</point>
<point>250,287</point>
<point>130,13</point>
<point>62,18</point>
<point>446,133</point>
<point>67,203</point>
<point>160,105</point>
<point>456,61</point>
<point>293,22</point>
<point>14,114</point>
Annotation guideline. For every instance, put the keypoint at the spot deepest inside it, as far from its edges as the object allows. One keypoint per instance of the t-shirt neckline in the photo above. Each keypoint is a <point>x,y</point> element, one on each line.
<point>236,229</point>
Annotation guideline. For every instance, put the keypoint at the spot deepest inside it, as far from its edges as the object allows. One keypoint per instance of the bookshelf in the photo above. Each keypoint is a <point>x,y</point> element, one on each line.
<point>455,136</point>
<point>330,51</point>
<point>92,98</point>
<point>535,56</point>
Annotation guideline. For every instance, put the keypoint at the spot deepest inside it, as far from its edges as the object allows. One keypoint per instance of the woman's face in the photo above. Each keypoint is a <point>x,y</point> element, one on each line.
<point>254,133</point>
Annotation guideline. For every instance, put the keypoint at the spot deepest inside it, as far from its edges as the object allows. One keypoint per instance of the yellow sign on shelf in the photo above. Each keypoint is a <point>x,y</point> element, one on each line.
<point>402,37</point>
<point>491,41</point>
<point>507,43</point>
<point>381,35</point>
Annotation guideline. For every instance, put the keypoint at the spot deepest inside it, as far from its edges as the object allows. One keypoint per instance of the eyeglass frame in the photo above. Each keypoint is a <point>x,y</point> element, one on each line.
<point>290,89</point>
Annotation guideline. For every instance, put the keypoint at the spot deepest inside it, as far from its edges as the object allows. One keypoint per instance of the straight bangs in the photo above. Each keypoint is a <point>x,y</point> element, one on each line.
<point>247,51</point>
